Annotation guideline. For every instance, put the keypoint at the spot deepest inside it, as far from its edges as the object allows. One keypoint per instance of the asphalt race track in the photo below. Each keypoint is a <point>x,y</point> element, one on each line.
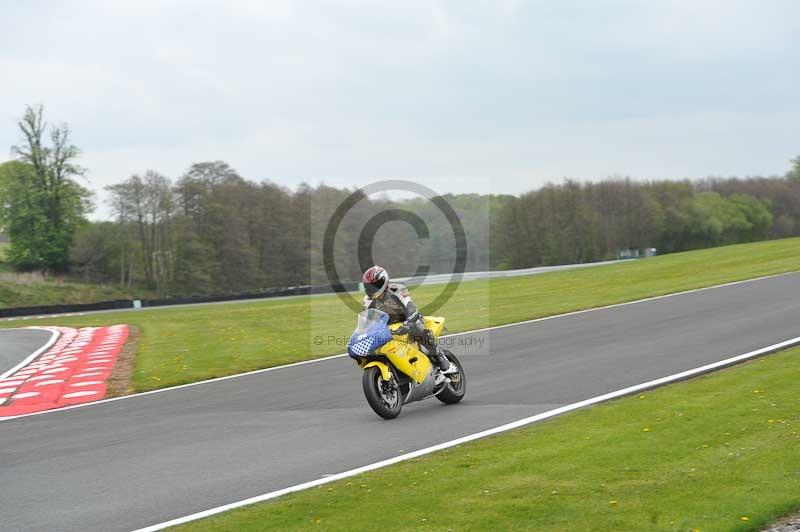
<point>130,463</point>
<point>17,344</point>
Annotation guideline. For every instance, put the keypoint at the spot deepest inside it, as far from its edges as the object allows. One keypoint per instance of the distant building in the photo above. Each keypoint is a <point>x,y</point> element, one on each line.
<point>635,253</point>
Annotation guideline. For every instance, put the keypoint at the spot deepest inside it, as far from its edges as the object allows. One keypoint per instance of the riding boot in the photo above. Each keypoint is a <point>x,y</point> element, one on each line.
<point>432,349</point>
<point>438,358</point>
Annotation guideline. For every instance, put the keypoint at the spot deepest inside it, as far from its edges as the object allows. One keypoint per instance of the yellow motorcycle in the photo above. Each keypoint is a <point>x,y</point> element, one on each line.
<point>396,371</point>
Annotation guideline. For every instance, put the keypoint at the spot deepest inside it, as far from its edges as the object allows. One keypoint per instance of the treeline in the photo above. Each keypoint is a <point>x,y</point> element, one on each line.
<point>213,231</point>
<point>575,222</point>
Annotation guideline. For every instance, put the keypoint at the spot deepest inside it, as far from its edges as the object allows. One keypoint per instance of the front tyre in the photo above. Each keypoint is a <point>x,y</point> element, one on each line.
<point>383,396</point>
<point>454,391</point>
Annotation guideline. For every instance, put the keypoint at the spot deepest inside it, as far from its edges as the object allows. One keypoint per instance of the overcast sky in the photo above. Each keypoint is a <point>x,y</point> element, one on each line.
<point>465,96</point>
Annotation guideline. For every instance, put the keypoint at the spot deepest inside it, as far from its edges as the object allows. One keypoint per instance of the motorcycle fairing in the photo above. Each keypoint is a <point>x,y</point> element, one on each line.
<point>435,325</point>
<point>373,336</point>
<point>404,355</point>
<point>371,333</point>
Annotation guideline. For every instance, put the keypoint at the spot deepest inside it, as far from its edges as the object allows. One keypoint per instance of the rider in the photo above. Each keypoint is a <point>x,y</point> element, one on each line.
<point>395,300</point>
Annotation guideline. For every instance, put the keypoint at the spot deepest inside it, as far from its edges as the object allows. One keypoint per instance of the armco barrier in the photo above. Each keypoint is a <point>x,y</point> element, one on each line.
<point>186,300</point>
<point>63,309</point>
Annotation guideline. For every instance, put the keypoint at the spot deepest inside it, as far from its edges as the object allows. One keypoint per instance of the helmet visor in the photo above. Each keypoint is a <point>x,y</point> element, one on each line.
<point>374,287</point>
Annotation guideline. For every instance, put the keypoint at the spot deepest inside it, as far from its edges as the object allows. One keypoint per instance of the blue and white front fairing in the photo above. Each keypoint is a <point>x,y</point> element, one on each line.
<point>371,333</point>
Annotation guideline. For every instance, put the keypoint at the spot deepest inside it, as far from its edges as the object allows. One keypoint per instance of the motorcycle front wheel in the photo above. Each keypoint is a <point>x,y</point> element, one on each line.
<point>383,396</point>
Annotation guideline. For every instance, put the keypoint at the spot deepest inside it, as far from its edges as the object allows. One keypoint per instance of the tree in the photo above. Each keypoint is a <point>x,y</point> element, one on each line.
<point>712,220</point>
<point>146,204</point>
<point>96,251</point>
<point>43,205</point>
<point>794,173</point>
<point>220,207</point>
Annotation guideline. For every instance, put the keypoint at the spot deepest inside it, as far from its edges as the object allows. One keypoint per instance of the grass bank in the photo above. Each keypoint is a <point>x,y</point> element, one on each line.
<point>32,289</point>
<point>29,290</point>
<point>718,453</point>
<point>187,344</point>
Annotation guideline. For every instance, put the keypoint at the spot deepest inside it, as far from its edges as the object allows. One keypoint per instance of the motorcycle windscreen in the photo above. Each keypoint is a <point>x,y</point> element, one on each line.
<point>371,333</point>
<point>368,318</point>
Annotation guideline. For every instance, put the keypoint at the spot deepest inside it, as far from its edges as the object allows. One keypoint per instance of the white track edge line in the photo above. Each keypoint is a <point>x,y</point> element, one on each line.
<point>54,334</point>
<point>330,357</point>
<point>475,436</point>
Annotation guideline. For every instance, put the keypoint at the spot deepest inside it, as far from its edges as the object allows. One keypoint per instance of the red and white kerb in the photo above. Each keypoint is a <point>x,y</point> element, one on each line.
<point>74,370</point>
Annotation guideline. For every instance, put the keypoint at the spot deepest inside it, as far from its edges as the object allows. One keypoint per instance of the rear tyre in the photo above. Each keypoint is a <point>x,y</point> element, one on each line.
<point>383,396</point>
<point>455,390</point>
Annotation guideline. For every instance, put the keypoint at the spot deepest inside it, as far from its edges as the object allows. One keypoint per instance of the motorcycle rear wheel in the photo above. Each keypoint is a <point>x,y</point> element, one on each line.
<point>455,390</point>
<point>384,397</point>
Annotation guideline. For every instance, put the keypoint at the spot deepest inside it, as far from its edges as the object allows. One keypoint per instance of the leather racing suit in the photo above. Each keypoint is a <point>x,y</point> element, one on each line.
<point>397,303</point>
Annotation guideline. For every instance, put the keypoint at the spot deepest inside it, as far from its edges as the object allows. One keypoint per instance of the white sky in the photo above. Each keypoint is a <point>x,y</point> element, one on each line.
<point>464,96</point>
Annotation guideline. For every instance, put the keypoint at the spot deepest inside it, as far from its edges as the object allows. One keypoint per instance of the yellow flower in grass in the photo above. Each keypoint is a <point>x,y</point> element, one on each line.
<point>744,518</point>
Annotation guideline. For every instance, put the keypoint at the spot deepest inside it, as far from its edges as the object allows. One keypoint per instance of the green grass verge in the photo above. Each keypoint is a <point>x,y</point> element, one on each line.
<point>716,453</point>
<point>188,344</point>
<point>4,266</point>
